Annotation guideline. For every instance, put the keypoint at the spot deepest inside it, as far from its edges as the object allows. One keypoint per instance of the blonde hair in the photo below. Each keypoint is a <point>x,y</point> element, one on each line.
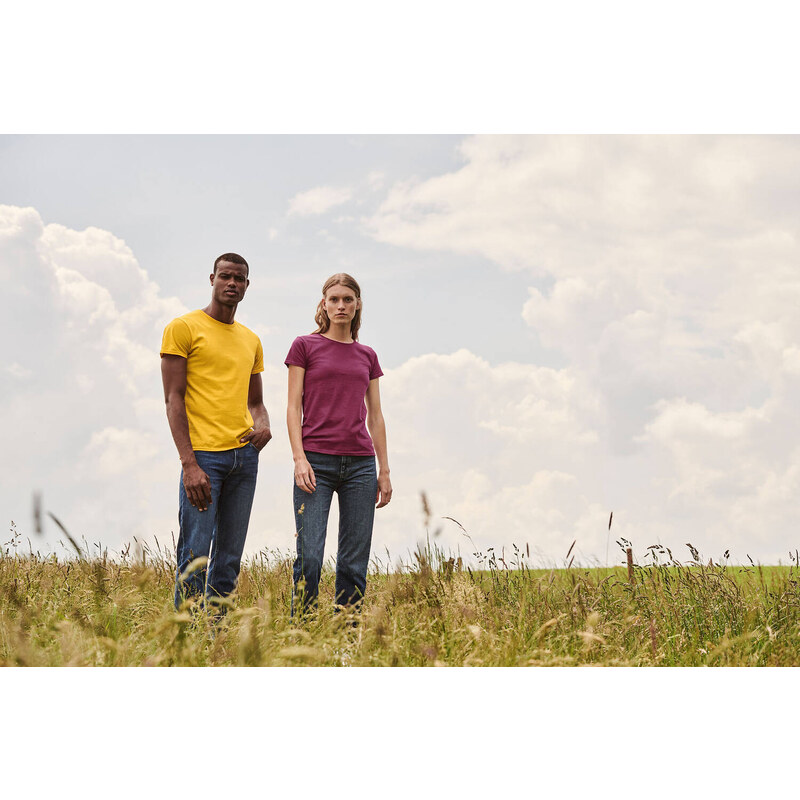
<point>321,317</point>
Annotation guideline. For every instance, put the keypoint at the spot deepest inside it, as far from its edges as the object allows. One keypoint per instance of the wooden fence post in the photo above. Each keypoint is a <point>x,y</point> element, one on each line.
<point>629,554</point>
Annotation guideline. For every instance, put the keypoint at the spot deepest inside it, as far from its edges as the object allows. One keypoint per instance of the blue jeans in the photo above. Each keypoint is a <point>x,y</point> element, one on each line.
<point>355,480</point>
<point>221,528</point>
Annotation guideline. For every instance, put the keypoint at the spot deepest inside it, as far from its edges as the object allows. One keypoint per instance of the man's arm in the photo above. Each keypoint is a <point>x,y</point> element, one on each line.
<point>195,480</point>
<point>261,432</point>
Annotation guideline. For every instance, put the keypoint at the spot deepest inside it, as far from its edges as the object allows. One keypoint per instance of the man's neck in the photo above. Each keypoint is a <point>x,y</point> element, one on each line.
<point>221,313</point>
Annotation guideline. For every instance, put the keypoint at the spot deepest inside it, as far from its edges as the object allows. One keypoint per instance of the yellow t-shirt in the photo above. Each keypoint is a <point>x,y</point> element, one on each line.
<point>220,359</point>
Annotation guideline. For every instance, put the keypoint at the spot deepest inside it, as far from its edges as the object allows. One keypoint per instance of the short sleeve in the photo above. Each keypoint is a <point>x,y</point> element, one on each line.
<point>375,370</point>
<point>258,363</point>
<point>297,356</point>
<point>177,339</point>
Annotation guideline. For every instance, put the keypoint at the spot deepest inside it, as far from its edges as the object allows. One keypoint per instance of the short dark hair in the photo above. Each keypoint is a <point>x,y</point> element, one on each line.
<point>233,258</point>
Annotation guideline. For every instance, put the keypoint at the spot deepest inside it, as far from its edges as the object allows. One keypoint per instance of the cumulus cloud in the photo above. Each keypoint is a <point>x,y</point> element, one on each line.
<point>571,205</point>
<point>18,371</point>
<point>662,281</point>
<point>463,394</point>
<point>82,399</point>
<point>664,274</point>
<point>505,450</point>
<point>732,472</point>
<point>501,448</point>
<point>85,325</point>
<point>318,200</point>
<point>119,451</point>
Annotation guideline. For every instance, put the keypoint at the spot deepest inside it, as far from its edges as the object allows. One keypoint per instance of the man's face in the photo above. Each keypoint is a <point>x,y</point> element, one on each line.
<point>229,283</point>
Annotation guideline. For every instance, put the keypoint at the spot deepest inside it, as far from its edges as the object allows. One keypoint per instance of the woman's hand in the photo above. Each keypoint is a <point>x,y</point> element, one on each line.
<point>304,476</point>
<point>384,494</point>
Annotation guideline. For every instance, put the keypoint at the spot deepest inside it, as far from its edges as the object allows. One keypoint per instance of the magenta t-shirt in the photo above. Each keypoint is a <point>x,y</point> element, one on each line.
<point>336,381</point>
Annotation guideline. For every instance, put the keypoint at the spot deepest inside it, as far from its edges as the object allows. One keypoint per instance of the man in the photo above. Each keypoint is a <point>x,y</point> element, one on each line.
<point>211,369</point>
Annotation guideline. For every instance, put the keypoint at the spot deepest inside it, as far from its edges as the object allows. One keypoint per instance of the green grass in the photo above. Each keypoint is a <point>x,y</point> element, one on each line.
<point>118,612</point>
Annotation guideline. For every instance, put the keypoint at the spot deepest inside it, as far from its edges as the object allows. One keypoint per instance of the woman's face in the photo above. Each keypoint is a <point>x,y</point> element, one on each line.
<point>341,304</point>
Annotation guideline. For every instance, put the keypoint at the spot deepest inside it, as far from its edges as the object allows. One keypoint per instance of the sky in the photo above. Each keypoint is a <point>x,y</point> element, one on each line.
<point>569,326</point>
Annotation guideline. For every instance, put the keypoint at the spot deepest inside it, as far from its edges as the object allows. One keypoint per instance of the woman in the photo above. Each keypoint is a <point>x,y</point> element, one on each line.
<point>333,392</point>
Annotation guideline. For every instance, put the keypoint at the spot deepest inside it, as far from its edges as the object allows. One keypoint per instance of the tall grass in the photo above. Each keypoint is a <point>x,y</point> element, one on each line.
<point>431,611</point>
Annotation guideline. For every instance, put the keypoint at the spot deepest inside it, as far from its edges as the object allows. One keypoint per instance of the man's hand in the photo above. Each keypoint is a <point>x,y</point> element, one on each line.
<point>197,486</point>
<point>384,494</point>
<point>260,433</point>
<point>258,438</point>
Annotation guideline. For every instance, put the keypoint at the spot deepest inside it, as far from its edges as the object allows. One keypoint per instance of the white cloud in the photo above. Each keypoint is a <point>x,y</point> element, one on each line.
<point>18,371</point>
<point>318,200</point>
<point>502,449</point>
<point>664,273</point>
<point>87,325</point>
<point>735,475</point>
<point>119,451</point>
<point>567,205</point>
<point>478,407</point>
<point>692,422</point>
<point>87,425</point>
<point>663,280</point>
<point>99,258</point>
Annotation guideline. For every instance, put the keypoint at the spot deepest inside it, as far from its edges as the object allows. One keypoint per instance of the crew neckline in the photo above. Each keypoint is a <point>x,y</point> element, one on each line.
<point>336,341</point>
<point>218,321</point>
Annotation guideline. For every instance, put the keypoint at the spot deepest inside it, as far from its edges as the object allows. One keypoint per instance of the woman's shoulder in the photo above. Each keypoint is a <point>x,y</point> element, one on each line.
<point>305,339</point>
<point>308,343</point>
<point>371,357</point>
<point>365,348</point>
<point>299,350</point>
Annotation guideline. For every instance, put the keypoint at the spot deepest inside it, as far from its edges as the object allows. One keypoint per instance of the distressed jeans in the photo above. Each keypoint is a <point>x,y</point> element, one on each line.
<point>220,531</point>
<point>355,480</point>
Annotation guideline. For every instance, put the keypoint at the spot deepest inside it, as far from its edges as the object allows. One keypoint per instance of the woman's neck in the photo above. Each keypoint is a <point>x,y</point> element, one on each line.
<point>339,332</point>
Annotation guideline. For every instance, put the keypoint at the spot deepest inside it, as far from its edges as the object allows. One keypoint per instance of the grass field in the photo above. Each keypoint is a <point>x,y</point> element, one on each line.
<point>97,611</point>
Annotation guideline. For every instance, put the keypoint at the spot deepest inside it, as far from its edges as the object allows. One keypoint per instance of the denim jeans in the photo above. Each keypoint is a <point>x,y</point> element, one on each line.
<point>221,529</point>
<point>355,480</point>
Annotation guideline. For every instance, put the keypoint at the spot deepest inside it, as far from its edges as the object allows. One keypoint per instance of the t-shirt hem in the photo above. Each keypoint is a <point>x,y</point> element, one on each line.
<point>328,452</point>
<point>238,446</point>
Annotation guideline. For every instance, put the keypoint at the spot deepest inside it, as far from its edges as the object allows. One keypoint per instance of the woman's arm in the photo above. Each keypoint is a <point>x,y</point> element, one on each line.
<point>303,473</point>
<point>377,430</point>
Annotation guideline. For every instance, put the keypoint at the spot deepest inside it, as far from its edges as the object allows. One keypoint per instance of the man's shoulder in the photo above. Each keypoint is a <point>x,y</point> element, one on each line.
<point>178,336</point>
<point>189,319</point>
<point>246,333</point>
